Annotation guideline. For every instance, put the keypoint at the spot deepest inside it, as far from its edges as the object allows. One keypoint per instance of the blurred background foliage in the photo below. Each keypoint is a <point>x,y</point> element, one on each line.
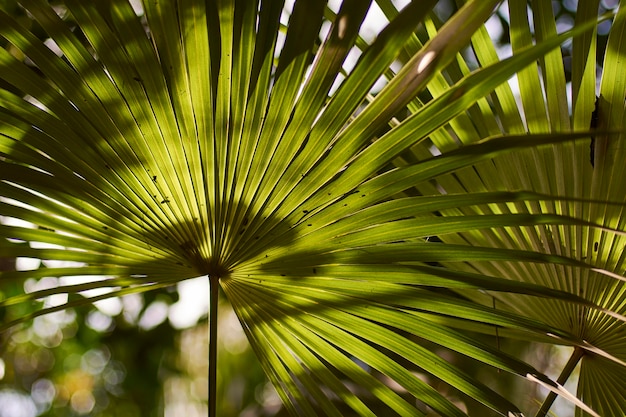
<point>146,355</point>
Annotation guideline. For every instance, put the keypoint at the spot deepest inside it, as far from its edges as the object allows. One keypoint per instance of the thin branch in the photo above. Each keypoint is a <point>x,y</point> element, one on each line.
<point>214,286</point>
<point>577,355</point>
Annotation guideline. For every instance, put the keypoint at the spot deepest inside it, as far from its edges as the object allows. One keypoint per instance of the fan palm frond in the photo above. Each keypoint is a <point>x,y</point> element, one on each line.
<point>349,228</point>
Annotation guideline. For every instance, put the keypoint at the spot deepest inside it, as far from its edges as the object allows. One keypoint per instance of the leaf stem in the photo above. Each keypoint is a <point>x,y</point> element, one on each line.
<point>214,286</point>
<point>577,354</point>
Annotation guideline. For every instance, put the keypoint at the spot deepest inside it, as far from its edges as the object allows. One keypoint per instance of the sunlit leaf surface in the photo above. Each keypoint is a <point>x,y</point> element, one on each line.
<point>362,235</point>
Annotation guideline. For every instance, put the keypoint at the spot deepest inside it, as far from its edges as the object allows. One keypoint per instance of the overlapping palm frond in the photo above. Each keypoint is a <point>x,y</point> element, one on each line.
<point>351,230</point>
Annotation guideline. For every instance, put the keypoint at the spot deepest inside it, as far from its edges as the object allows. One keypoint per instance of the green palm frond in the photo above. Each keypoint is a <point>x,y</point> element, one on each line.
<point>351,229</point>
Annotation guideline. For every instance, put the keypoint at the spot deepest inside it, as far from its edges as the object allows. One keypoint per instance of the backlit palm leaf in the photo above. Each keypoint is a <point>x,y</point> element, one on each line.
<point>588,174</point>
<point>217,143</point>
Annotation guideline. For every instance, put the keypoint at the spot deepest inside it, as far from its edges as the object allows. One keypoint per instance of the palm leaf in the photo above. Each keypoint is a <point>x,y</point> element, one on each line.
<point>215,143</point>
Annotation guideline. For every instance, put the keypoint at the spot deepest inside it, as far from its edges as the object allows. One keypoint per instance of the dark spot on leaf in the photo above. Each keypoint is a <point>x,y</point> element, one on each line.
<point>309,225</point>
<point>595,247</point>
<point>165,201</point>
<point>283,275</point>
<point>592,151</point>
<point>314,271</point>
